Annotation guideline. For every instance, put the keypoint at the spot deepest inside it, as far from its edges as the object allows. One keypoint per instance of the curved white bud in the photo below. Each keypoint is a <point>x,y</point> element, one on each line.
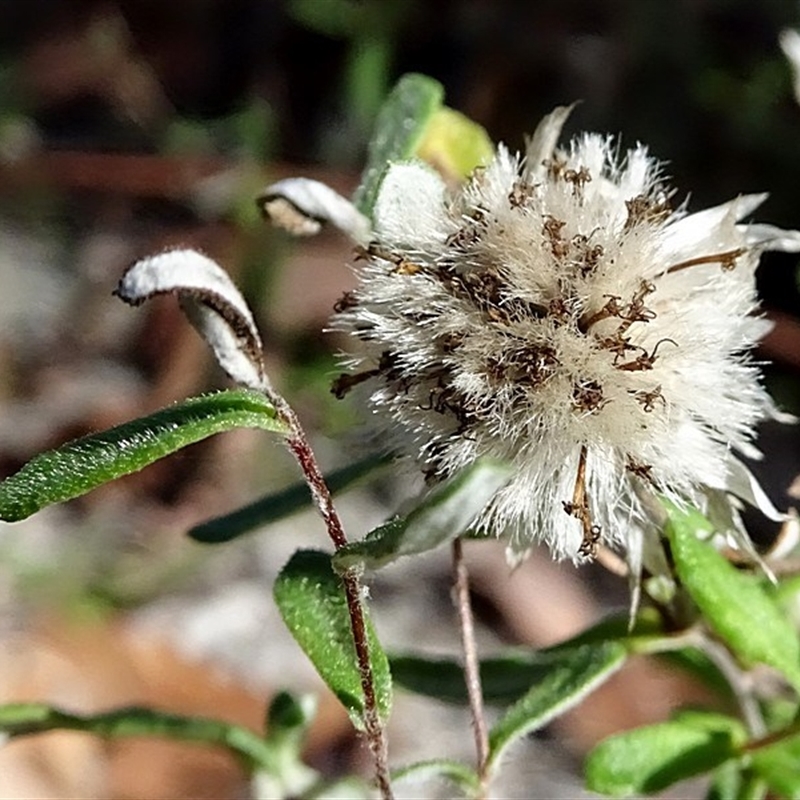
<point>302,205</point>
<point>409,207</point>
<point>212,303</point>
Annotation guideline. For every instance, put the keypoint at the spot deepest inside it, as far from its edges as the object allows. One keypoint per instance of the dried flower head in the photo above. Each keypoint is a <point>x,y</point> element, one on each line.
<point>558,313</point>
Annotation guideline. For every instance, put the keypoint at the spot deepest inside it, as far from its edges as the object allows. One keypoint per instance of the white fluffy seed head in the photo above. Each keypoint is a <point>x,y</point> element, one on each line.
<point>559,314</point>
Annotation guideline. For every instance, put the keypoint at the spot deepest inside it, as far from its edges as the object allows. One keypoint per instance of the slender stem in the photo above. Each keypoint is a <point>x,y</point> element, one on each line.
<point>372,720</point>
<point>741,684</point>
<point>472,674</point>
<point>301,449</point>
<point>772,738</point>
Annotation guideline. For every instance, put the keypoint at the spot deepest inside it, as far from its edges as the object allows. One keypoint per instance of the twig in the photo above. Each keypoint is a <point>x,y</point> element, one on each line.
<point>741,684</point>
<point>301,449</point>
<point>472,674</point>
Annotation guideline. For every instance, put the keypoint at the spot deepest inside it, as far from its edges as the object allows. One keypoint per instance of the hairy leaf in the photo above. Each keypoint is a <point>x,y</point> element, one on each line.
<point>732,602</point>
<point>312,603</point>
<point>301,206</point>
<point>443,515</point>
<point>212,303</point>
<point>280,504</point>
<point>398,132</point>
<point>460,775</point>
<point>83,464</point>
<point>649,759</point>
<point>570,678</point>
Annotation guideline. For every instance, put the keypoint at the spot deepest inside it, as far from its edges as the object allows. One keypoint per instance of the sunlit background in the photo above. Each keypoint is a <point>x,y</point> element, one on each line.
<point>127,127</point>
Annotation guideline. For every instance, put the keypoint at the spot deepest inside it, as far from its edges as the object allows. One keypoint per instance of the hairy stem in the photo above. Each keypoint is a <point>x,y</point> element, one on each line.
<point>301,449</point>
<point>372,721</point>
<point>472,674</point>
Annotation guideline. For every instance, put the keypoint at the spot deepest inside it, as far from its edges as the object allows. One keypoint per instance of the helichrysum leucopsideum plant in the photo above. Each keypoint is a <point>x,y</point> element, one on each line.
<point>564,350</point>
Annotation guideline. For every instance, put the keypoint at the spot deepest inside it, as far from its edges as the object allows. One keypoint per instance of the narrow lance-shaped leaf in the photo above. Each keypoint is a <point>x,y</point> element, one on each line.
<point>281,504</point>
<point>509,675</point>
<point>444,514</point>
<point>22,719</point>
<point>312,603</point>
<point>649,759</point>
<point>733,603</point>
<point>83,464</point>
<point>569,680</point>
<point>212,303</point>
<point>398,132</point>
<point>504,678</point>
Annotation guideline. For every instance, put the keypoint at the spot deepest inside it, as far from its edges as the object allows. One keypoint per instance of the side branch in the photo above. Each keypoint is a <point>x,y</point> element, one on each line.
<point>472,675</point>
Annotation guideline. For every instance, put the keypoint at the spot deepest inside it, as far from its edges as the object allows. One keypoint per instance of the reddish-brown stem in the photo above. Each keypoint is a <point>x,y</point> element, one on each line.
<point>373,727</point>
<point>372,720</point>
<point>302,451</point>
<point>472,675</point>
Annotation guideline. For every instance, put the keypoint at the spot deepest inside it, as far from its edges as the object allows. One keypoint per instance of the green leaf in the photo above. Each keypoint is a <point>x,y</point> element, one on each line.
<point>733,603</point>
<point>81,465</point>
<point>289,716</point>
<point>312,603</point>
<point>651,758</point>
<point>334,18</point>
<point>454,144</point>
<point>23,719</point>
<point>281,504</point>
<point>504,679</point>
<point>288,720</point>
<point>399,130</point>
<point>571,677</point>
<point>726,782</point>
<point>779,766</point>
<point>732,780</point>
<point>508,676</point>
<point>84,464</point>
<point>445,513</point>
<point>462,776</point>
